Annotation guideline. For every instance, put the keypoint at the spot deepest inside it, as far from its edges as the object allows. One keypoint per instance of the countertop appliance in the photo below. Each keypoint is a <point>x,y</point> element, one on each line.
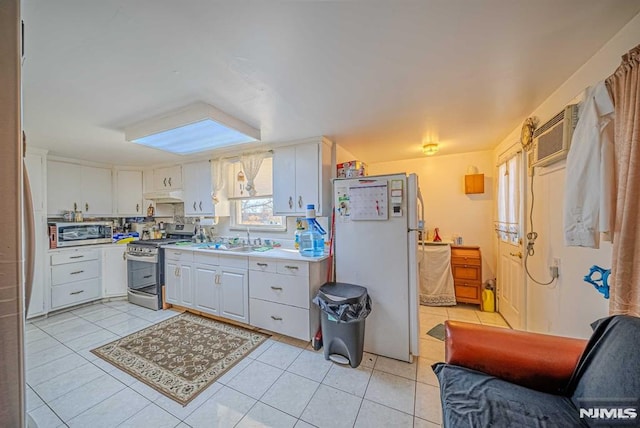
<point>145,266</point>
<point>83,233</point>
<point>376,246</point>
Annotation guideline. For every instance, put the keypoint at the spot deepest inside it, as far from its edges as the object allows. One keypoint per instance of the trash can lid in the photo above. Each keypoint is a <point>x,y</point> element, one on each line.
<point>342,292</point>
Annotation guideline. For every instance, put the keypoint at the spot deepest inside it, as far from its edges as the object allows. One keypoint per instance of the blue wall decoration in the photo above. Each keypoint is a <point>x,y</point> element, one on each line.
<point>599,278</point>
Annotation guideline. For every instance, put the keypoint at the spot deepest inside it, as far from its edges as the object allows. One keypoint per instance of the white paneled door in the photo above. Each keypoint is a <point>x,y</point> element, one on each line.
<point>510,282</point>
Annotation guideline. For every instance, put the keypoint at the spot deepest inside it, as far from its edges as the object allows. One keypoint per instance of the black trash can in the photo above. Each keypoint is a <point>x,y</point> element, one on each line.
<point>344,308</point>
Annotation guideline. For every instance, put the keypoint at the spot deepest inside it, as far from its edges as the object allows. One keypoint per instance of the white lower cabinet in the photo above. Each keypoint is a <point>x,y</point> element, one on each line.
<point>234,293</point>
<point>207,295</point>
<point>114,271</point>
<point>218,285</point>
<point>75,277</point>
<point>178,278</point>
<point>280,295</point>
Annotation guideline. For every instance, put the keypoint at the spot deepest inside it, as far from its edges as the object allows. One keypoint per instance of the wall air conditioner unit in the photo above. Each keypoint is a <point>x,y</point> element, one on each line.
<point>552,139</point>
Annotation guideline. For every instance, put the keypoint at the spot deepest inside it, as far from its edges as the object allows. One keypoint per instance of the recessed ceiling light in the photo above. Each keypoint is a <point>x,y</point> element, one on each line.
<point>192,129</point>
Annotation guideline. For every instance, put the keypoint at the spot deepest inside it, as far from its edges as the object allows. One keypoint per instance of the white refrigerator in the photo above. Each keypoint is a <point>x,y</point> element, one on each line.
<point>377,219</point>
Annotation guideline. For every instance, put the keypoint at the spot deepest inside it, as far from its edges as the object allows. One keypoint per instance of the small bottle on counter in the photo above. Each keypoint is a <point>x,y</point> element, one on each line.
<point>299,231</point>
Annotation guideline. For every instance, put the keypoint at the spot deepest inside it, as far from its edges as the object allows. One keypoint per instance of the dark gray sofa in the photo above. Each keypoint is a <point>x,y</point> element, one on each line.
<point>503,378</point>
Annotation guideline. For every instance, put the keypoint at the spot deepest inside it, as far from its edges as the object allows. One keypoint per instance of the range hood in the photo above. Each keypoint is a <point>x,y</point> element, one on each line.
<point>165,196</point>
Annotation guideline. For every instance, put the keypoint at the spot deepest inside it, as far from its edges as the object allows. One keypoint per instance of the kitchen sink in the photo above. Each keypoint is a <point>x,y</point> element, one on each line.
<point>242,249</point>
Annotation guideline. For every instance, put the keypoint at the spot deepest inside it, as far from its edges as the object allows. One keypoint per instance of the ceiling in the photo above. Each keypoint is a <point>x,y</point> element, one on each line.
<point>380,78</point>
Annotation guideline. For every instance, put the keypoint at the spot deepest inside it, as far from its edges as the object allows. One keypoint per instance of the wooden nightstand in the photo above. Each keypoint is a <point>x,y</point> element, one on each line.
<point>466,267</point>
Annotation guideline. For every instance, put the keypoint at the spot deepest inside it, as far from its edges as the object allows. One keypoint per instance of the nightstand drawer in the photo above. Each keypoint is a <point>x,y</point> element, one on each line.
<point>466,272</point>
<point>469,291</point>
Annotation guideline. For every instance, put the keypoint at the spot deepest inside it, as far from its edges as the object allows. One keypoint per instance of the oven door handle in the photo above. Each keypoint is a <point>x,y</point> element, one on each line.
<point>145,259</point>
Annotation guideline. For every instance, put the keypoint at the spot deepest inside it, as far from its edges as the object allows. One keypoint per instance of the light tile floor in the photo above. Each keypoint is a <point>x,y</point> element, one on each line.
<point>283,383</point>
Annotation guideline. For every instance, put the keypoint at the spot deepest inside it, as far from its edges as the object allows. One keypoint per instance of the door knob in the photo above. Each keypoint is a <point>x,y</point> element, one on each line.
<point>518,254</point>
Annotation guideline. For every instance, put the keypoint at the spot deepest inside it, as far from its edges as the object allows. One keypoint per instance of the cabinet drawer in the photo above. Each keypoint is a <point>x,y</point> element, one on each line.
<point>206,258</point>
<point>283,319</point>
<point>73,272</point>
<point>293,268</point>
<point>76,292</point>
<point>262,264</point>
<point>287,289</point>
<point>471,252</point>
<point>469,292</point>
<point>240,262</point>
<point>467,272</point>
<point>471,261</point>
<point>74,256</point>
<point>178,255</point>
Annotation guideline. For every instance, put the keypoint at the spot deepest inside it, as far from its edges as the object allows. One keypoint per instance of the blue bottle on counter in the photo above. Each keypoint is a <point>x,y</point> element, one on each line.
<point>312,241</point>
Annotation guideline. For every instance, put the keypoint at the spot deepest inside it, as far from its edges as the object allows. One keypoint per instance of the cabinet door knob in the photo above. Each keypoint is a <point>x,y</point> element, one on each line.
<point>290,202</point>
<point>262,264</point>
<point>75,206</point>
<point>164,182</point>
<point>299,201</point>
<point>194,205</point>
<point>276,288</point>
<point>169,181</point>
<point>86,206</point>
<point>137,207</point>
<point>200,205</point>
<point>275,318</point>
<point>518,254</point>
<point>76,292</point>
<point>291,267</point>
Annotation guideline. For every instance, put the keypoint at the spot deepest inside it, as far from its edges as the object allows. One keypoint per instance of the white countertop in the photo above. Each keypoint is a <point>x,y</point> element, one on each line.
<point>275,253</point>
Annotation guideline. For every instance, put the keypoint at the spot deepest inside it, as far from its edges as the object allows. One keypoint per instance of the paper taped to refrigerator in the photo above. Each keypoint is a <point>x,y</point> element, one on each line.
<point>368,200</point>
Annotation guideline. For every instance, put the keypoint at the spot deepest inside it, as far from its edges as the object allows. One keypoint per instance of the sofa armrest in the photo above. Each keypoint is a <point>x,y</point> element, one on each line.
<point>538,361</point>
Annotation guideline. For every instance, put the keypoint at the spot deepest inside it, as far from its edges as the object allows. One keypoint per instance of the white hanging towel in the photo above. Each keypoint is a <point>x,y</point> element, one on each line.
<point>436,279</point>
<point>589,172</point>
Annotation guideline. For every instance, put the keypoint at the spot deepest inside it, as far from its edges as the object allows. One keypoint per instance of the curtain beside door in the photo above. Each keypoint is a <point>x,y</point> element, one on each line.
<point>507,225</point>
<point>624,86</point>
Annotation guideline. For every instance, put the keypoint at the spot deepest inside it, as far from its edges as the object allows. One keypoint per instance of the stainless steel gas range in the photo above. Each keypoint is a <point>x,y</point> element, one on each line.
<point>145,266</point>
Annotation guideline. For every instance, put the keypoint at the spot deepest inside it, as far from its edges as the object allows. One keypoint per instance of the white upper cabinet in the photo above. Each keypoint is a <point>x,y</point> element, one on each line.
<point>167,178</point>
<point>63,187</point>
<point>129,193</point>
<point>302,175</point>
<point>197,189</point>
<point>72,187</point>
<point>96,191</point>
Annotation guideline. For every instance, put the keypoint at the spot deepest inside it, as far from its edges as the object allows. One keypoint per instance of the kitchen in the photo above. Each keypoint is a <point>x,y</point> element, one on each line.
<point>108,178</point>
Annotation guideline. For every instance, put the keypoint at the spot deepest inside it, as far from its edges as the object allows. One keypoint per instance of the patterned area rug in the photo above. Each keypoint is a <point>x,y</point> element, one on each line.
<point>183,355</point>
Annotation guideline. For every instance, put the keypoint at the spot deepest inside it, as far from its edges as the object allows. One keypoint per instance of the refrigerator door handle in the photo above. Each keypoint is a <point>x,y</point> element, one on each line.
<point>30,238</point>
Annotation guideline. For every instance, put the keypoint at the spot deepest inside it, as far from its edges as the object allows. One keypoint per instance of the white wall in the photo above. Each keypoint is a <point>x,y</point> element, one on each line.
<point>570,305</point>
<point>447,207</point>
